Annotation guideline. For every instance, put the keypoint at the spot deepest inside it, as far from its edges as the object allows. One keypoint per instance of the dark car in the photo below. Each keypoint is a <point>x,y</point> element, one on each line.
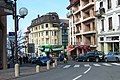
<point>42,60</point>
<point>92,56</point>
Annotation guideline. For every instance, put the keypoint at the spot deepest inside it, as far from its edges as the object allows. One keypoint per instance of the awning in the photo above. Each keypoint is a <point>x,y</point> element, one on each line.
<point>70,48</point>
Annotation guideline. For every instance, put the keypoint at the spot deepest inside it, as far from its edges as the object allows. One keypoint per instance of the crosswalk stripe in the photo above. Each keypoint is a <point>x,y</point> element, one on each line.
<point>117,64</point>
<point>86,65</point>
<point>106,64</point>
<point>77,66</point>
<point>67,66</point>
<point>96,64</point>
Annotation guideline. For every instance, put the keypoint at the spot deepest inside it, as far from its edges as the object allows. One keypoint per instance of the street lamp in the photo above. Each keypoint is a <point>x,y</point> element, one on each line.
<point>22,13</point>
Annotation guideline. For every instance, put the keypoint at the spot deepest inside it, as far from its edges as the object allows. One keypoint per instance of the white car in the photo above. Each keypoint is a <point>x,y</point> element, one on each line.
<point>112,56</point>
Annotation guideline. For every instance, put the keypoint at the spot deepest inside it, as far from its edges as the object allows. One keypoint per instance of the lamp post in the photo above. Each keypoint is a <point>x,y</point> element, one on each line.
<point>22,13</point>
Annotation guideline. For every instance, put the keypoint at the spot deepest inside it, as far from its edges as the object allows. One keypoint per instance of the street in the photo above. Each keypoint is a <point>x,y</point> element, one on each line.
<point>79,71</point>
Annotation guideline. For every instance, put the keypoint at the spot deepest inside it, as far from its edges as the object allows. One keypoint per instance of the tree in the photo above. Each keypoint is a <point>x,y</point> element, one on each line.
<point>11,44</point>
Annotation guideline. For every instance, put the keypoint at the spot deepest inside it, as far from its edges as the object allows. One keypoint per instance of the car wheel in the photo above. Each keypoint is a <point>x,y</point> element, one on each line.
<point>117,59</point>
<point>97,59</point>
<point>88,59</point>
<point>106,60</point>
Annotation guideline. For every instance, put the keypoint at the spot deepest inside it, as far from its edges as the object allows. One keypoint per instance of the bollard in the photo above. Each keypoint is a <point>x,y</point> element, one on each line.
<point>53,65</point>
<point>17,70</point>
<point>48,65</point>
<point>37,68</point>
<point>56,62</point>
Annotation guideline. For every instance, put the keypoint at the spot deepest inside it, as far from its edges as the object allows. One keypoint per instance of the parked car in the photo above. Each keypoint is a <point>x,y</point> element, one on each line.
<point>42,60</point>
<point>112,56</point>
<point>92,56</point>
<point>32,60</point>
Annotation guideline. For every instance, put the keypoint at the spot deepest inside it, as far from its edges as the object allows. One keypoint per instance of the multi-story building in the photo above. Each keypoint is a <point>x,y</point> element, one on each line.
<point>64,32</point>
<point>82,29</point>
<point>45,31</point>
<point>108,24</point>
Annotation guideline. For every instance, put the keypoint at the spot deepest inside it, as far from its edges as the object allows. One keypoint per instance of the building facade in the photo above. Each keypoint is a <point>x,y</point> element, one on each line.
<point>45,31</point>
<point>82,28</point>
<point>64,32</point>
<point>108,25</point>
<point>5,9</point>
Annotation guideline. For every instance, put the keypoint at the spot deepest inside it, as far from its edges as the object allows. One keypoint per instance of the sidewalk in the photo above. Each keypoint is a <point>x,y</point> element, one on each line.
<point>25,70</point>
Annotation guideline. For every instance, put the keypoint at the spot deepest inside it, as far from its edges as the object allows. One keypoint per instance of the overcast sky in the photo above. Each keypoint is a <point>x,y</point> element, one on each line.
<point>36,7</point>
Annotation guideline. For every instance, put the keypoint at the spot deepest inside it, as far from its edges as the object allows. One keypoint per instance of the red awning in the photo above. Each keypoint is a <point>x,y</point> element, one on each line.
<point>70,48</point>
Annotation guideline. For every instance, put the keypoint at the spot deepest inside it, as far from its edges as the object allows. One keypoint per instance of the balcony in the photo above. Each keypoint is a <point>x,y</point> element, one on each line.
<point>89,32</point>
<point>77,10</point>
<point>88,19</point>
<point>87,6</point>
<point>78,21</point>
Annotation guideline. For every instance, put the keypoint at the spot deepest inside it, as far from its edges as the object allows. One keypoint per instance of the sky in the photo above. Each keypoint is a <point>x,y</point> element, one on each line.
<point>36,7</point>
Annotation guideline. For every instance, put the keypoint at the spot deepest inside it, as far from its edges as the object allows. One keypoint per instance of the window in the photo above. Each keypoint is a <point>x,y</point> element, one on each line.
<point>55,33</point>
<point>39,34</point>
<point>109,4</point>
<point>102,22</point>
<point>55,41</point>
<point>42,26</point>
<point>101,4</point>
<point>46,33</point>
<point>101,38</point>
<point>42,33</point>
<point>110,23</point>
<point>118,2</point>
<point>46,25</point>
<point>47,40</point>
<point>36,28</point>
<point>119,20</point>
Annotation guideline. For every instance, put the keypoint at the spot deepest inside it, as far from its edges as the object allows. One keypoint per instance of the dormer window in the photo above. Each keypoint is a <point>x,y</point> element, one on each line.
<point>53,17</point>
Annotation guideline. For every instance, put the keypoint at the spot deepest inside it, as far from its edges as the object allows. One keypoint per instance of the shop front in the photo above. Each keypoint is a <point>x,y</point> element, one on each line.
<point>51,49</point>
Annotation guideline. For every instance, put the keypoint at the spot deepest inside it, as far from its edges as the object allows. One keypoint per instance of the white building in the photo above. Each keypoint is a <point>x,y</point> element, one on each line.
<point>108,24</point>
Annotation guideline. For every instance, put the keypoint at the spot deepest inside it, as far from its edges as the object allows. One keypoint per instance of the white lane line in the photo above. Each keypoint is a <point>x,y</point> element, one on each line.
<point>106,64</point>
<point>117,64</point>
<point>77,77</point>
<point>87,65</point>
<point>67,66</point>
<point>97,65</point>
<point>77,66</point>
<point>87,70</point>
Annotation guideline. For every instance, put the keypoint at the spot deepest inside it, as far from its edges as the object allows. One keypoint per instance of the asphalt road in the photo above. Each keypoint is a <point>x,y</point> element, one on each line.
<point>79,71</point>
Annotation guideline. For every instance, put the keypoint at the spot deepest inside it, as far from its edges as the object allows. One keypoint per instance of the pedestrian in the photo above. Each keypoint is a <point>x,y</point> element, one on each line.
<point>20,60</point>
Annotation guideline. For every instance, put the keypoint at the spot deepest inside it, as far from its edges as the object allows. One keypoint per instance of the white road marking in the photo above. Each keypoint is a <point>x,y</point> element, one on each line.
<point>77,66</point>
<point>106,64</point>
<point>67,66</point>
<point>87,70</point>
<point>117,64</point>
<point>87,65</point>
<point>77,77</point>
<point>97,65</point>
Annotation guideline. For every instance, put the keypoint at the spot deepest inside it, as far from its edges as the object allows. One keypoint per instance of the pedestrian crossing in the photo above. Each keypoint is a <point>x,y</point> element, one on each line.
<point>91,64</point>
